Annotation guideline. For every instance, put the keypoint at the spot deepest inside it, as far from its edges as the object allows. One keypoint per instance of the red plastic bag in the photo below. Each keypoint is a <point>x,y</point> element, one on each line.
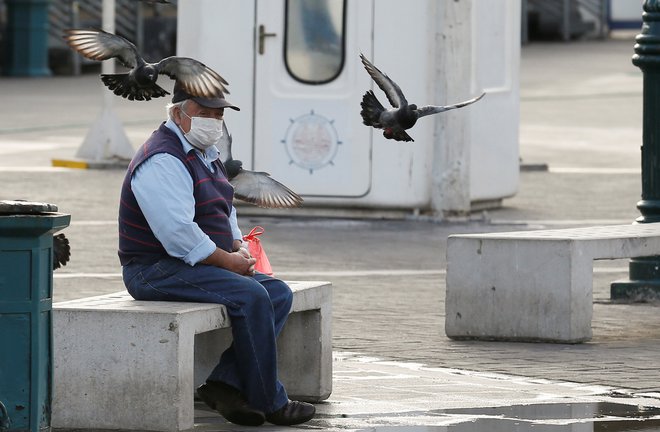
<point>257,251</point>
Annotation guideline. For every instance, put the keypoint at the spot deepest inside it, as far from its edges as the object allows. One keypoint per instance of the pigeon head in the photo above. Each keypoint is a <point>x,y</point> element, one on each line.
<point>146,75</point>
<point>233,167</point>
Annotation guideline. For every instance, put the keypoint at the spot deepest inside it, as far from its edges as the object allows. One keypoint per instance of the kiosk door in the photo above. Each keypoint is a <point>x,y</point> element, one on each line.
<point>309,84</point>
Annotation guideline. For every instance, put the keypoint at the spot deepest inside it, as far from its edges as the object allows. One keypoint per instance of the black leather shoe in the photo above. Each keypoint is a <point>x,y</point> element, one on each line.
<point>294,412</point>
<point>229,402</point>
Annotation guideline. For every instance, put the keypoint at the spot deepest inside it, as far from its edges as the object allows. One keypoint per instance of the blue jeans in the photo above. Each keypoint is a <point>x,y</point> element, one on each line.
<point>258,307</point>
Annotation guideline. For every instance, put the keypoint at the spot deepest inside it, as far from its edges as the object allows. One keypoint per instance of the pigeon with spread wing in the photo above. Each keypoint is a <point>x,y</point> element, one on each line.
<point>140,82</point>
<point>394,121</point>
<point>255,187</point>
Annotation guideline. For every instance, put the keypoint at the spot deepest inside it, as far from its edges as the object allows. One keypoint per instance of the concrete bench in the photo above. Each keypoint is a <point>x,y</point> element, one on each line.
<point>533,285</point>
<point>126,364</point>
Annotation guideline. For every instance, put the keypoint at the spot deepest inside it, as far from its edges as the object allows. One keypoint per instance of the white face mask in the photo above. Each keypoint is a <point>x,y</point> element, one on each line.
<point>204,132</point>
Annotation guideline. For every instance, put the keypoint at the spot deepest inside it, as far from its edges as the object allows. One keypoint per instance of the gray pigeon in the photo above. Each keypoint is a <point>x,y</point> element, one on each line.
<point>140,82</point>
<point>254,187</point>
<point>394,121</point>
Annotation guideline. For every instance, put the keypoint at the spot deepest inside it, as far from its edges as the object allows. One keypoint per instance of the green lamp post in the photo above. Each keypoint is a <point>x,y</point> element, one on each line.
<point>644,273</point>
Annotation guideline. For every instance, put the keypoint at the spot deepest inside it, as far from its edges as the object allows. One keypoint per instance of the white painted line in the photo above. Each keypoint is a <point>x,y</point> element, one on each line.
<point>94,223</point>
<point>288,274</point>
<point>611,270</point>
<point>35,169</point>
<point>57,275</point>
<point>593,170</point>
<point>532,224</point>
<point>358,273</point>
<point>324,273</point>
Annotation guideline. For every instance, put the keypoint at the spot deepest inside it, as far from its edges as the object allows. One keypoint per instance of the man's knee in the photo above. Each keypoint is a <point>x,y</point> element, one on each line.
<point>281,292</point>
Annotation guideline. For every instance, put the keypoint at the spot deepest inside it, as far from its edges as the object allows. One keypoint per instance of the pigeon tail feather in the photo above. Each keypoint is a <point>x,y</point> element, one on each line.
<point>123,86</point>
<point>61,251</point>
<point>371,109</point>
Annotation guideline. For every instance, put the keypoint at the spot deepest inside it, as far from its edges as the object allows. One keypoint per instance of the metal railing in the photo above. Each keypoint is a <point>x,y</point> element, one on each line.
<point>572,18</point>
<point>65,14</point>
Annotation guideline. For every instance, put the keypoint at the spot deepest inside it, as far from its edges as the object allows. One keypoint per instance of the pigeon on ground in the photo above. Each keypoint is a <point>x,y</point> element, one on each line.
<point>394,121</point>
<point>140,82</point>
<point>61,251</point>
<point>255,187</point>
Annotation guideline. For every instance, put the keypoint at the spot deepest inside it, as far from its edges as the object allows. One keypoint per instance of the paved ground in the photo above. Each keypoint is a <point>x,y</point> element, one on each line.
<point>580,114</point>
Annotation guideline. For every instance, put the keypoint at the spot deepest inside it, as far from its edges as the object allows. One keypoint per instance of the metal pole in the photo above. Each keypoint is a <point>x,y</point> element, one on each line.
<point>644,273</point>
<point>108,66</point>
<point>106,143</point>
<point>566,20</point>
<point>604,28</point>
<point>524,24</point>
<point>75,23</point>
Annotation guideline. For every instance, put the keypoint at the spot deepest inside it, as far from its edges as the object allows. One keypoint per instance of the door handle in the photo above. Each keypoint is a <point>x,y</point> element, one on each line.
<point>262,36</point>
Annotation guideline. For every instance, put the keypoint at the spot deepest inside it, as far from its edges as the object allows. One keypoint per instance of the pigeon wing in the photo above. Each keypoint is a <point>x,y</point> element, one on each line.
<point>101,45</point>
<point>434,109</point>
<point>260,189</point>
<point>389,87</point>
<point>224,146</point>
<point>194,76</point>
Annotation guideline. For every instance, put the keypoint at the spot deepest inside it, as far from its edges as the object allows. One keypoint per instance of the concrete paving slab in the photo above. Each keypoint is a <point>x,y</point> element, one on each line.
<point>580,115</point>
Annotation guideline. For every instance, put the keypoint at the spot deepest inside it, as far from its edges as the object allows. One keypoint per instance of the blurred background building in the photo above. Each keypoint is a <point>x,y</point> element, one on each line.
<point>294,71</point>
<point>152,26</point>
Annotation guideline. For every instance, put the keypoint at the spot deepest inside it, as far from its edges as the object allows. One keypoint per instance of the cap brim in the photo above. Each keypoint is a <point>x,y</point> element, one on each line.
<point>215,103</point>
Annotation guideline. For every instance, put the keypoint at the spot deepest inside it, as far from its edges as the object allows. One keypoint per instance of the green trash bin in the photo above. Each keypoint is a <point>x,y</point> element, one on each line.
<point>26,331</point>
<point>26,45</point>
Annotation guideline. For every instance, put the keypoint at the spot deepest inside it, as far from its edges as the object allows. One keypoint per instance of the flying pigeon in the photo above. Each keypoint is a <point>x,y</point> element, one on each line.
<point>394,121</point>
<point>140,82</point>
<point>61,251</point>
<point>255,187</point>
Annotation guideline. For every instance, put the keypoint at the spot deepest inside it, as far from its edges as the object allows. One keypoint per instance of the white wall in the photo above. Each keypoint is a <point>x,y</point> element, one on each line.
<point>220,34</point>
<point>439,53</point>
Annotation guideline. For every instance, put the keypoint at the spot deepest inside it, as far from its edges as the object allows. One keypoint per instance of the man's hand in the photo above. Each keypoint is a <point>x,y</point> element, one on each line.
<point>239,262</point>
<point>237,245</point>
<point>243,251</point>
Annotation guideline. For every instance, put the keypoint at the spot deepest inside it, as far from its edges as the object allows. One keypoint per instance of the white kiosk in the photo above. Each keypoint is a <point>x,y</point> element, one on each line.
<point>294,70</point>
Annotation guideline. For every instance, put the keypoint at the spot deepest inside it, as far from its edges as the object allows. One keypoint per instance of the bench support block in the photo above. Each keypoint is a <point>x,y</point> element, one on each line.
<point>517,290</point>
<point>124,364</point>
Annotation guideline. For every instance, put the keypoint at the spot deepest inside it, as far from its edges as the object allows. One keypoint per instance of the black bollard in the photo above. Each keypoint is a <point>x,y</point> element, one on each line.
<point>644,273</point>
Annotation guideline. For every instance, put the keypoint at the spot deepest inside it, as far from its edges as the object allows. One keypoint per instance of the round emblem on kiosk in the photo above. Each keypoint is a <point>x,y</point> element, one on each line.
<point>311,141</point>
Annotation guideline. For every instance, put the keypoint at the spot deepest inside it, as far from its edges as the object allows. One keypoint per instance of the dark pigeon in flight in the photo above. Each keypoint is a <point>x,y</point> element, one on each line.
<point>394,121</point>
<point>140,82</point>
<point>255,187</point>
<point>61,251</point>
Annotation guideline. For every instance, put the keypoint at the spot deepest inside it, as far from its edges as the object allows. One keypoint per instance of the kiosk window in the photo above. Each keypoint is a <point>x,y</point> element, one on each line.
<point>314,40</point>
